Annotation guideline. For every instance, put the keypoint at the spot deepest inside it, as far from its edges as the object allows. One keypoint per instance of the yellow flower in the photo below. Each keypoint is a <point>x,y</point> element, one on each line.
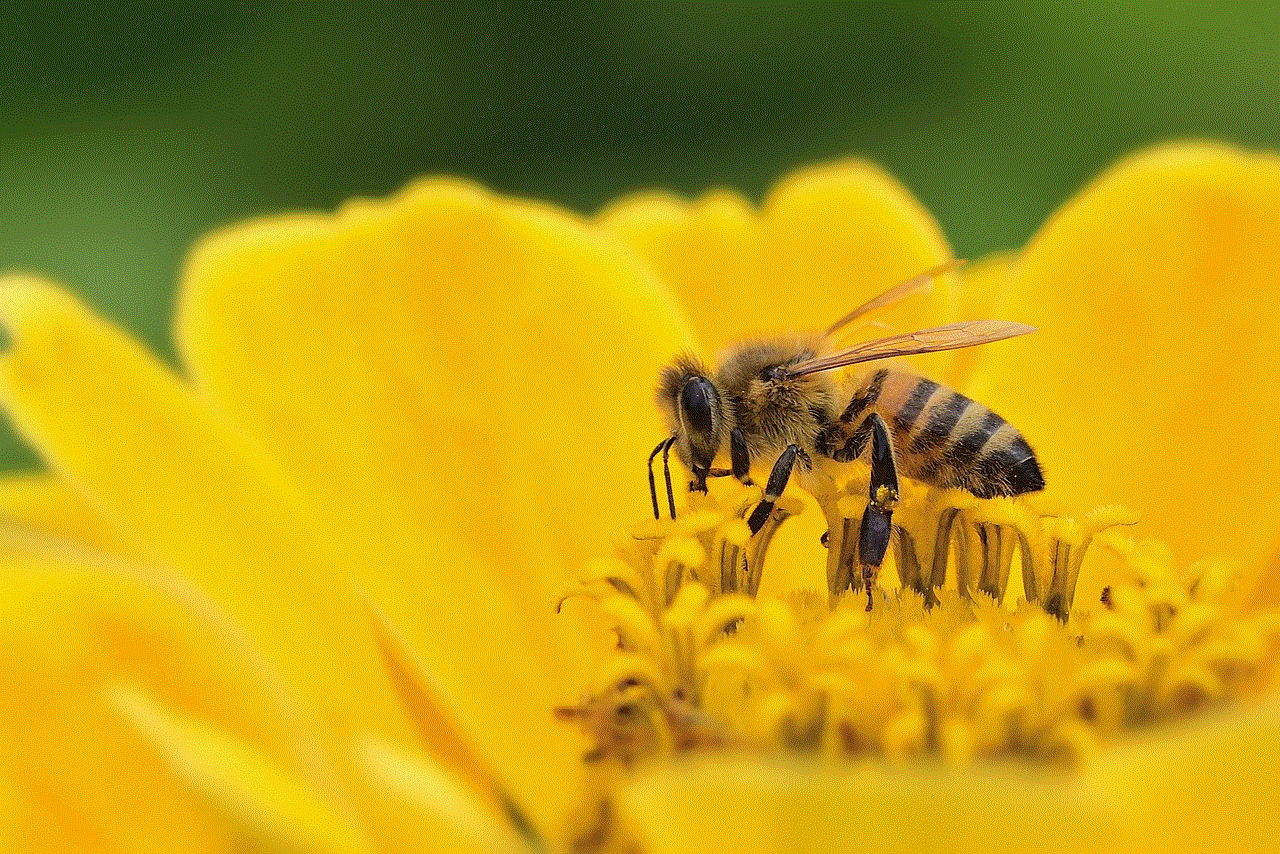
<point>302,598</point>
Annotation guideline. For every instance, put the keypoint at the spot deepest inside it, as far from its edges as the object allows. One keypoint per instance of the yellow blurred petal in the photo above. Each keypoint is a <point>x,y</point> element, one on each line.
<point>1264,589</point>
<point>461,384</point>
<point>73,776</point>
<point>443,360</point>
<point>712,253</point>
<point>48,504</point>
<point>189,490</point>
<point>982,293</point>
<point>826,239</point>
<point>447,736</point>
<point>507,663</point>
<point>758,807</point>
<point>1207,786</point>
<point>1150,381</point>
<point>448,815</point>
<point>270,808</point>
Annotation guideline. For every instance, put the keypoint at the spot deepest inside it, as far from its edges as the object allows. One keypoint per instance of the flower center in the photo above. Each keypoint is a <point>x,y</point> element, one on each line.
<point>947,663</point>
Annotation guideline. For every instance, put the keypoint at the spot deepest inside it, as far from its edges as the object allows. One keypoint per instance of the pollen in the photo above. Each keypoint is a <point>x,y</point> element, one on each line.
<point>978,649</point>
<point>886,498</point>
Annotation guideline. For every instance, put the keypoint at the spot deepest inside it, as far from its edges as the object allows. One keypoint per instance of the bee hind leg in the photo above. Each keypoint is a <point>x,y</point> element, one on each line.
<point>877,520</point>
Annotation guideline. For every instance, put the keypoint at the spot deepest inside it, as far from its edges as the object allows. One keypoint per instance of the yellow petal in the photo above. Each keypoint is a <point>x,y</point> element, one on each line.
<point>269,808</point>
<point>825,240</point>
<point>73,776</point>
<point>1150,381</point>
<point>759,806</point>
<point>1264,589</point>
<point>444,360</point>
<point>449,739</point>
<point>507,665</point>
<point>189,491</point>
<point>983,292</point>
<point>447,816</point>
<point>461,384</point>
<point>1207,786</point>
<point>49,504</point>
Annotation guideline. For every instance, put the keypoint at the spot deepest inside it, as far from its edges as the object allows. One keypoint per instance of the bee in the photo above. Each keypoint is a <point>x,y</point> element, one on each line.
<point>779,399</point>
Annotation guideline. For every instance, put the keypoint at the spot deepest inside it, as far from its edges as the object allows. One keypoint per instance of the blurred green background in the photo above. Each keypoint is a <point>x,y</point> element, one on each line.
<point>127,130</point>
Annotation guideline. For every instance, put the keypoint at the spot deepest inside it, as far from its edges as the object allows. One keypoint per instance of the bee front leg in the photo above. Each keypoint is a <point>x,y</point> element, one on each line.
<point>740,456</point>
<point>778,478</point>
<point>877,521</point>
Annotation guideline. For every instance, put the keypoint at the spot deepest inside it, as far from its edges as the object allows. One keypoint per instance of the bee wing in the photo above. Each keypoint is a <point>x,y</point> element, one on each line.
<point>951,337</point>
<point>897,293</point>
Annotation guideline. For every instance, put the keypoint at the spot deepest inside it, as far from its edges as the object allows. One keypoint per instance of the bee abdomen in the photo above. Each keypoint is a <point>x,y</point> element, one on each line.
<point>1007,466</point>
<point>946,439</point>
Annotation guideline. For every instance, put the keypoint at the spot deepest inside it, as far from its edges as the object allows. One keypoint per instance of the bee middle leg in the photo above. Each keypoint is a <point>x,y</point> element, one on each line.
<point>778,478</point>
<point>877,520</point>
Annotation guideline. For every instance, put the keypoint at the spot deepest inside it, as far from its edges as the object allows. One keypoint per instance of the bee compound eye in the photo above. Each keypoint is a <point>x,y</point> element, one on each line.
<point>696,401</point>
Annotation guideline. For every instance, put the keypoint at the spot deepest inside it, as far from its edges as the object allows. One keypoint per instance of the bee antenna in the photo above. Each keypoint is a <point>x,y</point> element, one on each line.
<point>653,486</point>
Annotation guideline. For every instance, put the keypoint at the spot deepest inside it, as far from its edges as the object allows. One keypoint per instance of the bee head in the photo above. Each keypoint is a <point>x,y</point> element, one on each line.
<point>695,415</point>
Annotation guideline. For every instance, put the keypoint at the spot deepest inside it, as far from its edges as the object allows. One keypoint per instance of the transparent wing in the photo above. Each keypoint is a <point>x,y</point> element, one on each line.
<point>951,337</point>
<point>897,293</point>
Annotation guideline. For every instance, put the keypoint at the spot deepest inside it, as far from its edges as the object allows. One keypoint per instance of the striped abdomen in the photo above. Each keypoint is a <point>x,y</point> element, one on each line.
<point>940,436</point>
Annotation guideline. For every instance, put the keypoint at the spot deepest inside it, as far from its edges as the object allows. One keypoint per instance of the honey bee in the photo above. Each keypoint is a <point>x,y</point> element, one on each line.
<point>778,399</point>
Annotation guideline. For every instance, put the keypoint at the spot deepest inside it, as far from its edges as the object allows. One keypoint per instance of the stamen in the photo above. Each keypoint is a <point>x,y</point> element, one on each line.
<point>948,665</point>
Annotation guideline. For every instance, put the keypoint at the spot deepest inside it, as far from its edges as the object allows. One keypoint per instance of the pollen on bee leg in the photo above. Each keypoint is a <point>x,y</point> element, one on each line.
<point>885,498</point>
<point>859,533</point>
